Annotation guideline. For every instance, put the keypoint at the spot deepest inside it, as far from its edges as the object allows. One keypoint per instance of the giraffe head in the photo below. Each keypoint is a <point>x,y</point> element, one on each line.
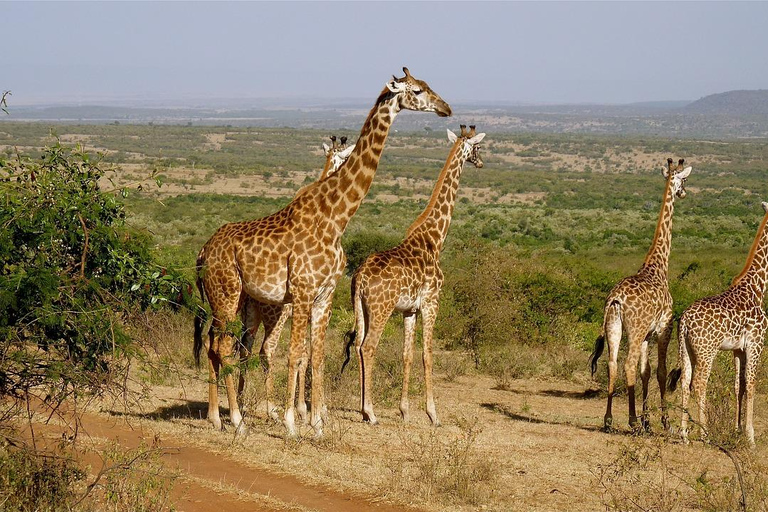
<point>678,175</point>
<point>337,153</point>
<point>415,94</point>
<point>471,144</point>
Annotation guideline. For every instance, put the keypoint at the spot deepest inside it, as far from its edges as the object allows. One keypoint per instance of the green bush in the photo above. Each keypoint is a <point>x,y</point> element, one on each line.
<point>71,273</point>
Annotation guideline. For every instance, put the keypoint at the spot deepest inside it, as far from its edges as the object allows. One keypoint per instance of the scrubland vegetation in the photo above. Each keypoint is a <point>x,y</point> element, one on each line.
<point>539,236</point>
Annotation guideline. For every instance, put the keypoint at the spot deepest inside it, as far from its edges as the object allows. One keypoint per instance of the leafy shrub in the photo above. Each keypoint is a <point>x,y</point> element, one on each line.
<point>71,273</point>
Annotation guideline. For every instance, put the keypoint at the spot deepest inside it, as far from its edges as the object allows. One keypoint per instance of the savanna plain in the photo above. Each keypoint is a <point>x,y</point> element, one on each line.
<point>539,236</point>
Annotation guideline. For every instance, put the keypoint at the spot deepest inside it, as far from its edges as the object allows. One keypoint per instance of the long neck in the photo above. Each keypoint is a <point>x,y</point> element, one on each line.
<point>346,188</point>
<point>658,254</point>
<point>435,220</point>
<point>756,268</point>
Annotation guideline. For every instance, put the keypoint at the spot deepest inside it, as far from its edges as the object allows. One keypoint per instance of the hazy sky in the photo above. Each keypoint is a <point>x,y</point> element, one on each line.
<point>551,52</point>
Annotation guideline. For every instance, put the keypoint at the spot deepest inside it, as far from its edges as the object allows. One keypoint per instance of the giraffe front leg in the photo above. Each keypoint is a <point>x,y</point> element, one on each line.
<point>296,350</point>
<point>428,315</point>
<point>321,315</point>
<point>409,324</point>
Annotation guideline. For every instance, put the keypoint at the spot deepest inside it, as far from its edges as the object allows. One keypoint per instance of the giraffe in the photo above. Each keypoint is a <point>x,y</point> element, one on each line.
<point>274,316</point>
<point>733,320</point>
<point>294,256</point>
<point>408,278</point>
<point>641,306</point>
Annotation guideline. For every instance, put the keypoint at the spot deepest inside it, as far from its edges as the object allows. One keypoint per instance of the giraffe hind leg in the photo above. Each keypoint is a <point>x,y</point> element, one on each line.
<point>613,331</point>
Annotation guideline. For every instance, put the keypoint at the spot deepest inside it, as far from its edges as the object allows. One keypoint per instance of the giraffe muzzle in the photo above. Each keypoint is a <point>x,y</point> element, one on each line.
<point>443,109</point>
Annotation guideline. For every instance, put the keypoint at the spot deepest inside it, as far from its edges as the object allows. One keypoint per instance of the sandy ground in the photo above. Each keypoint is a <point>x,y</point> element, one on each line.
<point>537,443</point>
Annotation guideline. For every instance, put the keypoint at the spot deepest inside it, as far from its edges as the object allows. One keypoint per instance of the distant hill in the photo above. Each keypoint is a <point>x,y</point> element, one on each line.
<point>733,103</point>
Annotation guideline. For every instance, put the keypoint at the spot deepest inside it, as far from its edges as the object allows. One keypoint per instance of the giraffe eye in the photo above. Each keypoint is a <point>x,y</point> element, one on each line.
<point>417,91</point>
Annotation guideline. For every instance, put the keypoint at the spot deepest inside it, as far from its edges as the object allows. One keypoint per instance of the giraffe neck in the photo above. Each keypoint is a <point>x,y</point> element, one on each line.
<point>346,188</point>
<point>658,254</point>
<point>435,220</point>
<point>756,268</point>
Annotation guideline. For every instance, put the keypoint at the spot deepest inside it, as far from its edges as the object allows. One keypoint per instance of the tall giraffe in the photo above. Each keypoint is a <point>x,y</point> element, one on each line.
<point>733,320</point>
<point>641,306</point>
<point>408,278</point>
<point>274,316</point>
<point>295,256</point>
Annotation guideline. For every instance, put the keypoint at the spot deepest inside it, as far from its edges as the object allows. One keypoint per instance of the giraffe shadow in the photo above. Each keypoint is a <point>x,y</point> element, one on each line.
<point>194,409</point>
<point>587,394</point>
<point>507,412</point>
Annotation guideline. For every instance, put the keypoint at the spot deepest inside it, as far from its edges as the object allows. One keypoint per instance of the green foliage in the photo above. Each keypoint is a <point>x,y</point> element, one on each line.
<point>70,273</point>
<point>359,246</point>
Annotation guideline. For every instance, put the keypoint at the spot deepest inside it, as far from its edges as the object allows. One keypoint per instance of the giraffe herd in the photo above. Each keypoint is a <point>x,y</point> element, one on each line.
<point>288,265</point>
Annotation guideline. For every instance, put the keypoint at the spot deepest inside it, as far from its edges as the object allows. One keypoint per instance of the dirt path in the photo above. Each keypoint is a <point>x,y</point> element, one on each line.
<point>211,480</point>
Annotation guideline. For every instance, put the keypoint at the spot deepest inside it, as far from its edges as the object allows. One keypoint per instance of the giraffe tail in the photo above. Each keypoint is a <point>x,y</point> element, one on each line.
<point>349,341</point>
<point>599,347</point>
<point>674,375</point>
<point>201,315</point>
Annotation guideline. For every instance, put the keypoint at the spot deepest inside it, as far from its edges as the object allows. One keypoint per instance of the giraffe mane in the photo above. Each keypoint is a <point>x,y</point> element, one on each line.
<point>436,190</point>
<point>752,251</point>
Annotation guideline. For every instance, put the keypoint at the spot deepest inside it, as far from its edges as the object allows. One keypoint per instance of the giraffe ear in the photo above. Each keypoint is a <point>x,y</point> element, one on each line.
<point>395,87</point>
<point>476,139</point>
<point>665,172</point>
<point>765,206</point>
<point>347,151</point>
<point>451,136</point>
<point>326,148</point>
<point>684,173</point>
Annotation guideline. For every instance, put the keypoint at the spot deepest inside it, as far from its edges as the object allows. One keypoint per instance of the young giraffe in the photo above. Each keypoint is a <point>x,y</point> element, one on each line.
<point>733,320</point>
<point>408,279</point>
<point>641,307</point>
<point>295,256</point>
<point>274,316</point>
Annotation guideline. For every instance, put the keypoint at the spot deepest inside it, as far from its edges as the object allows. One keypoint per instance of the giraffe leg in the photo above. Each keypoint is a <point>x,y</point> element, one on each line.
<point>686,377</point>
<point>701,372</point>
<point>213,384</point>
<point>428,315</point>
<point>740,365</point>
<point>613,339</point>
<point>296,349</point>
<point>321,315</point>
<point>251,317</point>
<point>274,318</point>
<point>630,372</point>
<point>409,322</point>
<point>754,349</point>
<point>367,352</point>
<point>645,377</point>
<point>661,370</point>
